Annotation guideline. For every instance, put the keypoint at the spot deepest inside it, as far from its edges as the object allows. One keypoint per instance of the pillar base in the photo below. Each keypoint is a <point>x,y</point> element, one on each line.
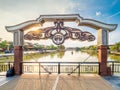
<point>18,58</point>
<point>102,57</point>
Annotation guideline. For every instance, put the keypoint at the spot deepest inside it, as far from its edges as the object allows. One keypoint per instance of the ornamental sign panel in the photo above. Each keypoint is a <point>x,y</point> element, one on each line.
<point>59,33</point>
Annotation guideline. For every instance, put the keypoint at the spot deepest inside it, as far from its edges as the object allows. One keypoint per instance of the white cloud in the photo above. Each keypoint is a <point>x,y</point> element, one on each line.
<point>98,13</point>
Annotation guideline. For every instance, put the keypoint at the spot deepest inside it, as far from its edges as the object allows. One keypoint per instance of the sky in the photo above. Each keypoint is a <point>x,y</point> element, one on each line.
<point>13,12</point>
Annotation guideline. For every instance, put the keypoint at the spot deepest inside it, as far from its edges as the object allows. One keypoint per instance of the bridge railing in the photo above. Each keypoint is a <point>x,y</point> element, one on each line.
<point>4,66</point>
<point>61,67</point>
<point>115,66</point>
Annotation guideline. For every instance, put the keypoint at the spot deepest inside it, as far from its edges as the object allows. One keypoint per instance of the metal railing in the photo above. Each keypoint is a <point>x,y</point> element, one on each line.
<point>61,67</point>
<point>115,66</point>
<point>4,66</point>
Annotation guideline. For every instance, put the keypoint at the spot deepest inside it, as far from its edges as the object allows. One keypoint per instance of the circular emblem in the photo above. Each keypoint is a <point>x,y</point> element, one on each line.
<point>58,38</point>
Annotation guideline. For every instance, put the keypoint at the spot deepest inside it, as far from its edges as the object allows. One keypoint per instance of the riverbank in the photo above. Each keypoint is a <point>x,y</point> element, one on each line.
<point>112,56</point>
<point>115,53</point>
<point>27,55</point>
<point>95,52</point>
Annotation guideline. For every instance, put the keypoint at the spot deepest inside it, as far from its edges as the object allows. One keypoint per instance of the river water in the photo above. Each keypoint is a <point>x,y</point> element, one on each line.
<point>72,56</point>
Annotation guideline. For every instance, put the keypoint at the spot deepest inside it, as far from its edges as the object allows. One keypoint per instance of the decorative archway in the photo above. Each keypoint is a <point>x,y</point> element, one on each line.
<point>59,33</point>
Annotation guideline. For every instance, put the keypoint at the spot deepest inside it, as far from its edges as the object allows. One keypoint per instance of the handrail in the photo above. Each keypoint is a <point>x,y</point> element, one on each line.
<point>65,62</point>
<point>7,62</point>
<point>113,61</point>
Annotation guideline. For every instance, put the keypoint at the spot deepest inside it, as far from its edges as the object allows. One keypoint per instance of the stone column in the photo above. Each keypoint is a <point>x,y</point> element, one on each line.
<point>18,51</point>
<point>102,52</point>
<point>102,57</point>
<point>18,57</point>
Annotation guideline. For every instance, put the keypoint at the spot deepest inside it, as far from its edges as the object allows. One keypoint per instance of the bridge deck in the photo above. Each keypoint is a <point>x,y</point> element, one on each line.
<point>56,82</point>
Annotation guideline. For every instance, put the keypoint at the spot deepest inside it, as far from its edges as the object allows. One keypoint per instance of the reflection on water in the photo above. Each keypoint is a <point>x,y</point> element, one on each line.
<point>60,55</point>
<point>68,56</point>
<point>73,56</point>
<point>91,52</point>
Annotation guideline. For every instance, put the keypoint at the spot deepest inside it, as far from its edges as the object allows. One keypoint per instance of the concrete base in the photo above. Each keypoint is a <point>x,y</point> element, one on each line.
<point>102,57</point>
<point>18,58</point>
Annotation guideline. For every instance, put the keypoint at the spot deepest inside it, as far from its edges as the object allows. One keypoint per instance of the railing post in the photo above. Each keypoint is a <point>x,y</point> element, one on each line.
<point>8,65</point>
<point>39,68</point>
<point>21,67</point>
<point>79,70</point>
<point>99,68</point>
<point>112,67</point>
<point>59,68</point>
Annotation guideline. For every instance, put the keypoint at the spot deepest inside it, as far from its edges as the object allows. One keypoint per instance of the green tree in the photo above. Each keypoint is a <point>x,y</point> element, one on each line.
<point>38,46</point>
<point>52,47</point>
<point>118,46</point>
<point>4,45</point>
<point>92,47</point>
<point>115,47</point>
<point>11,45</point>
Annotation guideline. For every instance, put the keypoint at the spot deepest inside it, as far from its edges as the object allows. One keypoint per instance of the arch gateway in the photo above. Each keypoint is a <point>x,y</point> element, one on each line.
<point>58,33</point>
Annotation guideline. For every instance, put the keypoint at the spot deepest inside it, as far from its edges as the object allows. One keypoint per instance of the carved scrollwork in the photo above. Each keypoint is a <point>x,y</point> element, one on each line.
<point>91,38</point>
<point>59,33</point>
